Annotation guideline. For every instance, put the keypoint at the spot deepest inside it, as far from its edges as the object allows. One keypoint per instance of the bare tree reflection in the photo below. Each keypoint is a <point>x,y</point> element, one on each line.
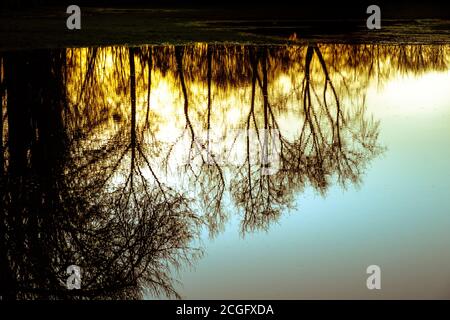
<point>208,176</point>
<point>85,176</point>
<point>319,152</point>
<point>125,234</point>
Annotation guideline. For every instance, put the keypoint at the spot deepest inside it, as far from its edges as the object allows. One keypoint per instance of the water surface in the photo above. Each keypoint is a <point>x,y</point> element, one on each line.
<point>226,171</point>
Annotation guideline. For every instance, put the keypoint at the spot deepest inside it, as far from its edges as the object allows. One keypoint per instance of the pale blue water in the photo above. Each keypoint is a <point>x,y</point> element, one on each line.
<point>399,219</point>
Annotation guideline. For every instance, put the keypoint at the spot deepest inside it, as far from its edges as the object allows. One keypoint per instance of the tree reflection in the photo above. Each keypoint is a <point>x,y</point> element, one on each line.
<point>86,176</point>
<point>57,211</point>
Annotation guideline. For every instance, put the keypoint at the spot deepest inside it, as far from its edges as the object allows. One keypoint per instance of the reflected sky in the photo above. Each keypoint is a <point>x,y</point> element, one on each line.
<point>398,219</point>
<point>124,153</point>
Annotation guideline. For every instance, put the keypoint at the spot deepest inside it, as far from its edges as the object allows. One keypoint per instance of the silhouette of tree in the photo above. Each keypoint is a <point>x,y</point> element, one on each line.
<point>315,156</point>
<point>85,176</point>
<point>126,236</point>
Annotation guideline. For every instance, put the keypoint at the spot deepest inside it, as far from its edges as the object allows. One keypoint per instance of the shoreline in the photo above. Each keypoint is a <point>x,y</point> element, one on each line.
<point>46,29</point>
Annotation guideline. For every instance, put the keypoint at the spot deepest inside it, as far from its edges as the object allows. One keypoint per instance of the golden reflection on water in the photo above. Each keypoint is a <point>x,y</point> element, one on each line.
<point>99,79</point>
<point>313,96</point>
<point>109,158</point>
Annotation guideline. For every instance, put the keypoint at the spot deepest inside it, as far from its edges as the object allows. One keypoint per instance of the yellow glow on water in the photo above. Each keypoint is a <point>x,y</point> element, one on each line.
<point>334,108</point>
<point>285,84</point>
<point>297,103</point>
<point>110,77</point>
<point>405,95</point>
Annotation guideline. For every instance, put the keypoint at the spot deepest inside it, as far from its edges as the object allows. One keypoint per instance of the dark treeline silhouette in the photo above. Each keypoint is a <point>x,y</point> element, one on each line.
<point>86,177</point>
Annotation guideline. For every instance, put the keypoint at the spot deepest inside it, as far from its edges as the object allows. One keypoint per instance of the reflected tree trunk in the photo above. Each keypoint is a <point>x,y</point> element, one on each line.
<point>133,111</point>
<point>179,53</point>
